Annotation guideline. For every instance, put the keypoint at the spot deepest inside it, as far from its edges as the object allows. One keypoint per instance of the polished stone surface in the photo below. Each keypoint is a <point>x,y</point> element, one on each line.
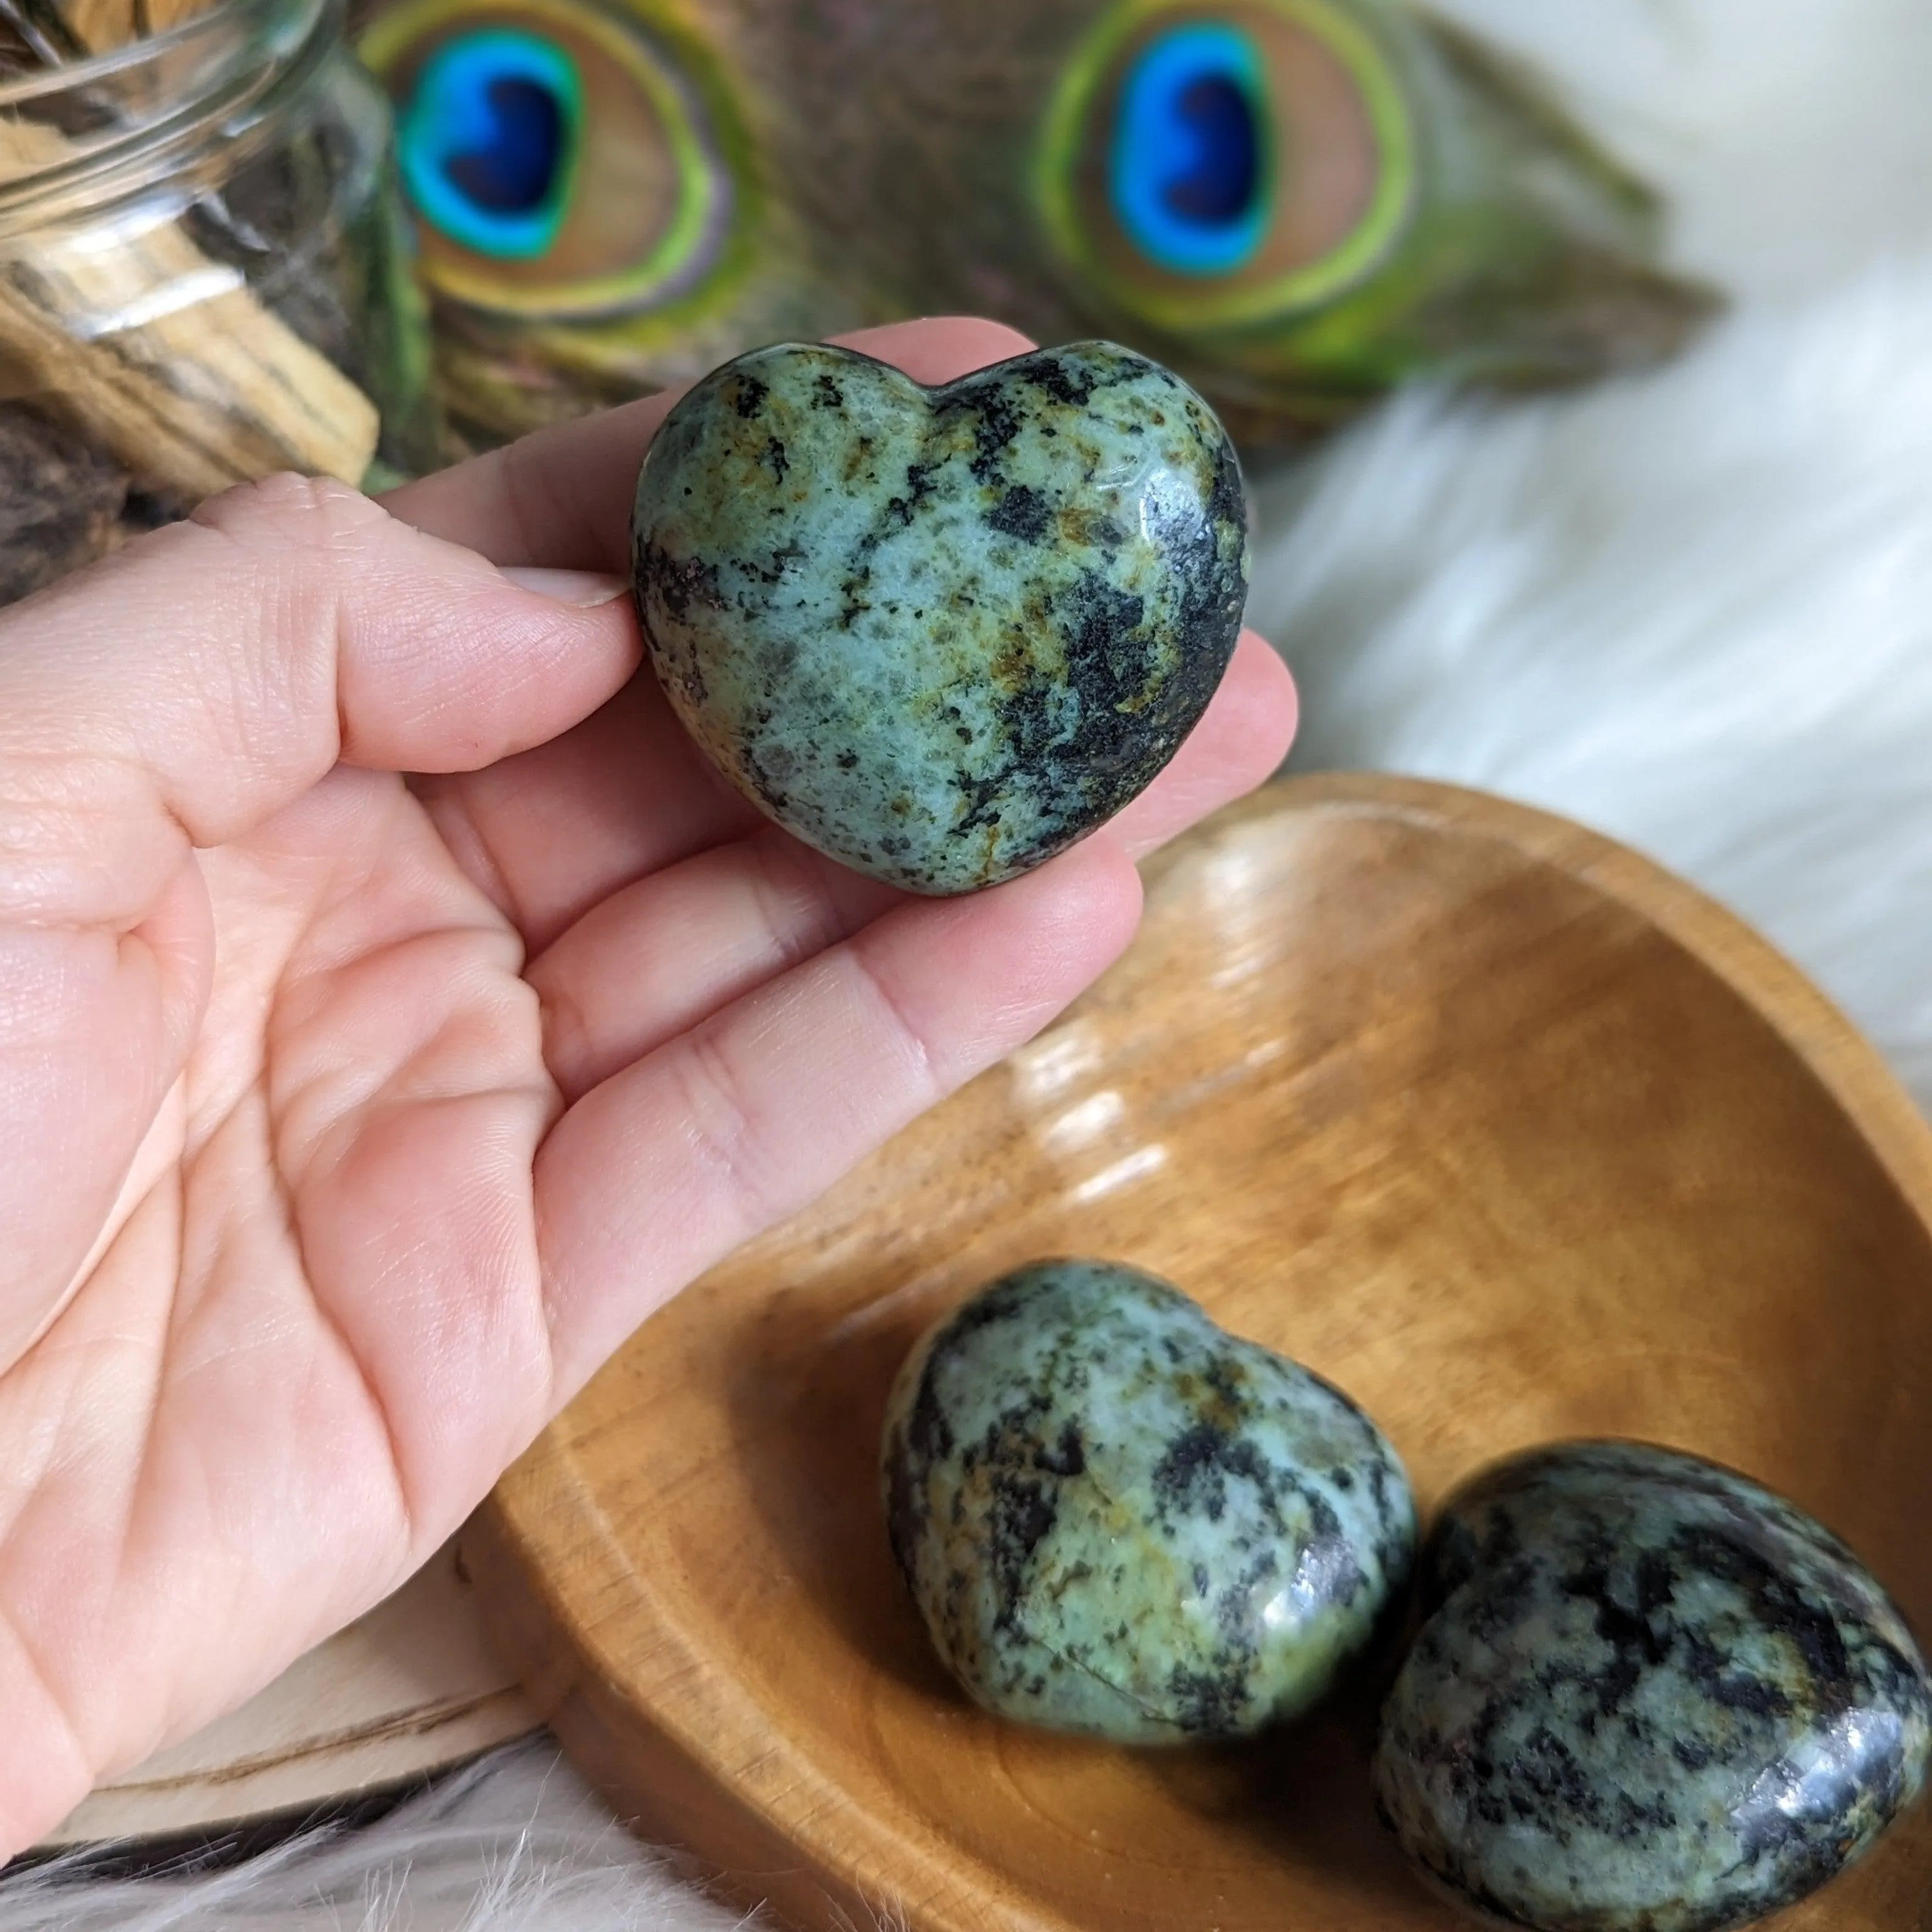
<point>1118,1519</point>
<point>940,634</point>
<point>1651,1697</point>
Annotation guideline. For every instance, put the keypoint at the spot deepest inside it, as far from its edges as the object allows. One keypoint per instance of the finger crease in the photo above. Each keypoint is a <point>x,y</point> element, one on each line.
<point>794,907</point>
<point>914,1040</point>
<point>37,1671</point>
<point>333,1324</point>
<point>718,1122</point>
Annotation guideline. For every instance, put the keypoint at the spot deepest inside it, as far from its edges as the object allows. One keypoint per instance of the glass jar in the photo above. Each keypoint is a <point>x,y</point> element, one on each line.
<point>204,278</point>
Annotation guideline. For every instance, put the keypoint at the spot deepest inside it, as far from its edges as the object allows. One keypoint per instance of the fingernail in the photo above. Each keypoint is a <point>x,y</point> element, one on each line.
<point>584,589</point>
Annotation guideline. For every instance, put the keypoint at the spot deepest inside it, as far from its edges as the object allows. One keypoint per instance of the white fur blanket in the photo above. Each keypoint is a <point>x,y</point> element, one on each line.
<point>1694,610</point>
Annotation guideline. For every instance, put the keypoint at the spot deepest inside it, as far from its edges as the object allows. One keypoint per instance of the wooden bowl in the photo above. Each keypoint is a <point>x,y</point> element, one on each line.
<point>1505,1131</point>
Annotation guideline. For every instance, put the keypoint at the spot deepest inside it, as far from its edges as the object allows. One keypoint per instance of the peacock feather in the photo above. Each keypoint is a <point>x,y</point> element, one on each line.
<point>1296,203</point>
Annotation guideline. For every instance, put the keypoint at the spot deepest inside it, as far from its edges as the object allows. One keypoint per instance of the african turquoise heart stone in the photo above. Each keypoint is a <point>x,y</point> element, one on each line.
<point>1118,1520</point>
<point>1651,1697</point>
<point>940,634</point>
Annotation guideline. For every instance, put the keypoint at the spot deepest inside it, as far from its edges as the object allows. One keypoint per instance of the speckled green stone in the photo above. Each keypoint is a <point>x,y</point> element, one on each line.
<point>1118,1520</point>
<point>940,634</point>
<point>1651,1697</point>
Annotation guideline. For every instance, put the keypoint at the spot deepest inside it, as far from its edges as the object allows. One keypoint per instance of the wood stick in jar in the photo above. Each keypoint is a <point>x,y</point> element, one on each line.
<point>164,356</point>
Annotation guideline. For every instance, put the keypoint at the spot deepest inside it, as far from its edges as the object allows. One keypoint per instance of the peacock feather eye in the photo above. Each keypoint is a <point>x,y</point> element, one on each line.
<point>488,141</point>
<point>1219,166</point>
<point>1187,175</point>
<point>561,161</point>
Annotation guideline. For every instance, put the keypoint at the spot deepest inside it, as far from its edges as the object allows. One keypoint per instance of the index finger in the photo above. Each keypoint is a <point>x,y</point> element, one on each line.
<point>562,497</point>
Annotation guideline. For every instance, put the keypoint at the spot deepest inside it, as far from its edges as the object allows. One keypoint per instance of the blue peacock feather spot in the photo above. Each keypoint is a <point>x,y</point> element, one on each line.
<point>488,140</point>
<point>1187,168</point>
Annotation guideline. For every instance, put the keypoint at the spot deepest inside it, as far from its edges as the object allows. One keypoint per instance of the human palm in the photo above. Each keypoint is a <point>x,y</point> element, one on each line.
<point>348,1122</point>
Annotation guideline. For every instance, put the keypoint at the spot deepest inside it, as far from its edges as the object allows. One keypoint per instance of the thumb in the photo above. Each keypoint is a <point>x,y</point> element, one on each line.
<point>212,672</point>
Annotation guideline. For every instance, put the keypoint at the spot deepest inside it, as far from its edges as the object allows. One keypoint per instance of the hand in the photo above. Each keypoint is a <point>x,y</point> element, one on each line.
<point>347,1122</point>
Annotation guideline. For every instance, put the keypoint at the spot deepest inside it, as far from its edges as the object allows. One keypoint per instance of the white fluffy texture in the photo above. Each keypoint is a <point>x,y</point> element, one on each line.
<point>1792,135</point>
<point>1694,610</point>
<point>514,1844</point>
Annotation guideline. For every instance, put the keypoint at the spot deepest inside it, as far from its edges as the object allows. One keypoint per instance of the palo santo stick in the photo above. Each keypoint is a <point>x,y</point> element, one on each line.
<point>100,24</point>
<point>165,357</point>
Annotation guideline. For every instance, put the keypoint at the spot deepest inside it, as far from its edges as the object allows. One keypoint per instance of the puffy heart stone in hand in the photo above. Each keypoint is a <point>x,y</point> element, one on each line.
<point>940,634</point>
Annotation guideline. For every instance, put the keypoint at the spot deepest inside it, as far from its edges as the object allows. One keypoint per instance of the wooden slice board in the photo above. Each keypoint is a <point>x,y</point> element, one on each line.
<point>409,1689</point>
<point>1506,1132</point>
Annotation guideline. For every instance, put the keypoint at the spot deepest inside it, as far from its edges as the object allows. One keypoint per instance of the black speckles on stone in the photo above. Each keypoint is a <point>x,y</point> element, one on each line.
<point>1069,382</point>
<point>854,604</point>
<point>1020,1515</point>
<point>1012,647</point>
<point>771,572</point>
<point>1227,502</point>
<point>1544,1784</point>
<point>983,797</point>
<point>683,587</point>
<point>1021,513</point>
<point>1066,1457</point>
<point>1191,1478</point>
<point>1134,1533</point>
<point>1651,1697</point>
<point>997,416</point>
<point>1106,629</point>
<point>1209,1704</point>
<point>902,512</point>
<point>1726,1688</point>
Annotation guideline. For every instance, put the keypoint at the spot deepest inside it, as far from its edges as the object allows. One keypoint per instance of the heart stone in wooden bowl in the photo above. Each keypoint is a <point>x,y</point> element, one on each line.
<point>1498,1128</point>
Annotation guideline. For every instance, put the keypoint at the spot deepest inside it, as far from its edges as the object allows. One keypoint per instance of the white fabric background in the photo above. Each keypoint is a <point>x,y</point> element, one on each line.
<point>1694,610</point>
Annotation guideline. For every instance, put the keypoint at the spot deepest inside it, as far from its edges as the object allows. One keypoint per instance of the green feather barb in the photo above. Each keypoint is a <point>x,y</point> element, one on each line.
<point>1297,204</point>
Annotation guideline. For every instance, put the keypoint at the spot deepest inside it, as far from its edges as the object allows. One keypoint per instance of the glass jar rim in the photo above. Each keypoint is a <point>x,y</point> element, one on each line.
<point>195,89</point>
